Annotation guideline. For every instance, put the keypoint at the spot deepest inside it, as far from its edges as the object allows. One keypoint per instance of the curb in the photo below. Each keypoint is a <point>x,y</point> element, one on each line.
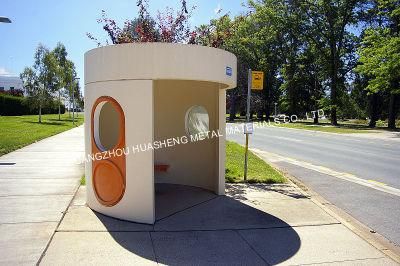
<point>373,238</point>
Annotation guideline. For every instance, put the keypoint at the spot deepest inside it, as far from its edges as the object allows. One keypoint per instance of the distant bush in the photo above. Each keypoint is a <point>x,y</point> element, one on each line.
<point>360,121</point>
<point>51,108</point>
<point>12,105</point>
<point>381,123</point>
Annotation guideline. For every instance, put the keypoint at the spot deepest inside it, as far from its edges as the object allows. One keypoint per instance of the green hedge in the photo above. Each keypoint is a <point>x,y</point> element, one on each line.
<point>11,105</point>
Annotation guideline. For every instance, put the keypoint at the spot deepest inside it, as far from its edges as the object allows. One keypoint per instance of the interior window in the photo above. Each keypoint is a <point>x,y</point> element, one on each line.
<point>197,120</point>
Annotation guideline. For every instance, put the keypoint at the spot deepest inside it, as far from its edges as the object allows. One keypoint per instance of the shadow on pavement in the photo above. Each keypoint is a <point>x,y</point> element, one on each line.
<point>240,192</point>
<point>212,230</point>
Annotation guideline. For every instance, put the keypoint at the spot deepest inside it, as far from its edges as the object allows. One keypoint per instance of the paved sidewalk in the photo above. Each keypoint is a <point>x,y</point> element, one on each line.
<point>252,225</point>
<point>380,135</point>
<point>37,183</point>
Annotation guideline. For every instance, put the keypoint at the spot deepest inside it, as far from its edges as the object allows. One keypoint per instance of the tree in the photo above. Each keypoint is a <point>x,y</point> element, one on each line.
<point>169,26</point>
<point>40,80</point>
<point>380,55</point>
<point>252,38</point>
<point>268,38</point>
<point>260,43</point>
<point>225,33</point>
<point>326,27</point>
<point>70,81</point>
<point>380,61</point>
<point>30,83</point>
<point>60,53</point>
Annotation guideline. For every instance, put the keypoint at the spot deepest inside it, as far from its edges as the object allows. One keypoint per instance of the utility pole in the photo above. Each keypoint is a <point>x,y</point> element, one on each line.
<point>73,101</point>
<point>73,106</point>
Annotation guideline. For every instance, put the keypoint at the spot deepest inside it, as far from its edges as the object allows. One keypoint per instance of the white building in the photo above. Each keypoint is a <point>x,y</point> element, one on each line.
<point>10,83</point>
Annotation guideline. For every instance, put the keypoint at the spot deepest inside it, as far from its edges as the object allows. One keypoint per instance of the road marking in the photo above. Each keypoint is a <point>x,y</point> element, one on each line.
<point>289,139</point>
<point>272,157</point>
<point>377,182</point>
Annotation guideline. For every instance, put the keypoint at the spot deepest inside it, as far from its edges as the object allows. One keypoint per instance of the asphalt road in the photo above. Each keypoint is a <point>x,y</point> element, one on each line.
<point>371,194</point>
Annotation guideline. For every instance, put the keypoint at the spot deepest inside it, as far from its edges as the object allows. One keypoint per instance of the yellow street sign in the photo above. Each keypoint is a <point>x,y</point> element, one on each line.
<point>257,79</point>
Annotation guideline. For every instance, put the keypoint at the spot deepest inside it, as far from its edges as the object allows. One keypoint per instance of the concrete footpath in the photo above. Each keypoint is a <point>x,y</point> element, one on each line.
<point>252,225</point>
<point>37,184</point>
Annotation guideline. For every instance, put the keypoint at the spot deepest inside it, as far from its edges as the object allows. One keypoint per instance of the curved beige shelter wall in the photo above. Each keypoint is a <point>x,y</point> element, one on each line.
<point>160,61</point>
<point>155,84</point>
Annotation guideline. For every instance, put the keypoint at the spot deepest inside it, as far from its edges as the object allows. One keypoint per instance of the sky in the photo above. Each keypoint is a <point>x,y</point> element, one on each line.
<point>51,21</point>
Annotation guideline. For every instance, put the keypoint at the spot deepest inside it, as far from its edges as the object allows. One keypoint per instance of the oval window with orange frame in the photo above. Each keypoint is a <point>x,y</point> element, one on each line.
<point>108,139</point>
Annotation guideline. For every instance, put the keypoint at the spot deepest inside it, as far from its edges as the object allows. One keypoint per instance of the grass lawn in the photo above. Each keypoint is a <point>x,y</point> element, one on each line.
<point>19,131</point>
<point>83,181</point>
<point>258,170</point>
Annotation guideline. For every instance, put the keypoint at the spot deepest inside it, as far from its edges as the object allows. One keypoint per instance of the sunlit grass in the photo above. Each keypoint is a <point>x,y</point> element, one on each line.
<point>19,131</point>
<point>258,170</point>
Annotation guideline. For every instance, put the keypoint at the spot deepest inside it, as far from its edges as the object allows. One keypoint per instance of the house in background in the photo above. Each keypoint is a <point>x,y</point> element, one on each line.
<point>10,83</point>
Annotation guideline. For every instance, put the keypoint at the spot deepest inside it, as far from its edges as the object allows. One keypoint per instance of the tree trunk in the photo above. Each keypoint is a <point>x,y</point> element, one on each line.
<point>232,109</point>
<point>267,112</point>
<point>40,104</point>
<point>334,80</point>
<point>69,104</point>
<point>373,110</point>
<point>333,106</point>
<point>267,100</point>
<point>316,118</point>
<point>316,115</point>
<point>59,106</point>
<point>40,113</point>
<point>392,111</point>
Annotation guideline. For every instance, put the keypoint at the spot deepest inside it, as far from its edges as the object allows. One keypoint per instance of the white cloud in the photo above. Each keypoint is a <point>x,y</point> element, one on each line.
<point>4,72</point>
<point>218,9</point>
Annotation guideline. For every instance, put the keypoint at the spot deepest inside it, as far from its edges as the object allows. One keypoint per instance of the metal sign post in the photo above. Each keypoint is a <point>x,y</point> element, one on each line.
<point>255,82</point>
<point>246,155</point>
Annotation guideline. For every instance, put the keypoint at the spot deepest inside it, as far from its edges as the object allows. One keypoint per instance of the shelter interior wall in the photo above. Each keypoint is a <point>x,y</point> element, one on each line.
<point>194,163</point>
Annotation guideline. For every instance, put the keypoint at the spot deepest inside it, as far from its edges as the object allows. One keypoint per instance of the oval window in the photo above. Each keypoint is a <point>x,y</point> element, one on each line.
<point>197,120</point>
<point>107,123</point>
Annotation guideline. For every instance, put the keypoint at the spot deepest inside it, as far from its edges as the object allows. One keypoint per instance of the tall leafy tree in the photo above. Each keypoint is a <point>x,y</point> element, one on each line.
<point>380,54</point>
<point>326,27</point>
<point>263,24</point>
<point>31,84</point>
<point>60,53</point>
<point>40,80</point>
<point>70,82</point>
<point>226,33</point>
